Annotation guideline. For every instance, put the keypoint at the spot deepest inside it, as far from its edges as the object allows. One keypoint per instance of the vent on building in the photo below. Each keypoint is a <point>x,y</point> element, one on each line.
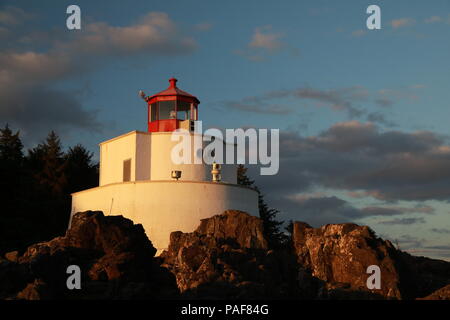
<point>127,170</point>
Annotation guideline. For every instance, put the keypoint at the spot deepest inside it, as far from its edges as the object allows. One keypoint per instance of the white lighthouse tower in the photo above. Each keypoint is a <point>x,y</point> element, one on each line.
<point>139,180</point>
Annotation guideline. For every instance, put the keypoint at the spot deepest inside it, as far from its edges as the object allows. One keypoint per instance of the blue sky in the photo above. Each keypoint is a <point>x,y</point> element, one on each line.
<point>353,102</point>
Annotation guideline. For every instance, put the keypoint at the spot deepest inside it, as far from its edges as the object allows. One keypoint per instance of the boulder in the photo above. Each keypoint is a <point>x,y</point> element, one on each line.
<point>226,257</point>
<point>115,257</point>
<point>339,255</point>
<point>441,294</point>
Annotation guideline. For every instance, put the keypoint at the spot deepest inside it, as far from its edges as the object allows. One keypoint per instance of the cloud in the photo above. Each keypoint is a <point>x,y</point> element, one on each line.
<point>12,16</point>
<point>367,162</point>
<point>358,33</point>
<point>264,38</point>
<point>318,209</point>
<point>337,99</point>
<point>265,42</point>
<point>204,26</point>
<point>261,108</point>
<point>31,97</point>
<point>402,22</point>
<point>352,100</point>
<point>433,19</point>
<point>43,109</point>
<point>440,230</point>
<point>155,33</point>
<point>403,221</point>
<point>439,247</point>
<point>408,242</point>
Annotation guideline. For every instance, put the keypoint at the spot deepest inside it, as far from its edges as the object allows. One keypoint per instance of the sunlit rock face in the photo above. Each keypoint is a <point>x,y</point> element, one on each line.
<point>339,255</point>
<point>227,257</point>
<point>115,257</point>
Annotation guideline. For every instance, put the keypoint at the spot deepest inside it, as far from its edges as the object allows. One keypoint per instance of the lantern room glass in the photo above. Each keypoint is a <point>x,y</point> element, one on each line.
<point>166,109</point>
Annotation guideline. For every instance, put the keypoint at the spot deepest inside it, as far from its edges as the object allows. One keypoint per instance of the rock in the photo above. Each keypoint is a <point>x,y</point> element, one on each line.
<point>243,228</point>
<point>12,256</point>
<point>421,276</point>
<point>441,294</point>
<point>226,257</point>
<point>115,257</point>
<point>339,254</point>
<point>38,290</point>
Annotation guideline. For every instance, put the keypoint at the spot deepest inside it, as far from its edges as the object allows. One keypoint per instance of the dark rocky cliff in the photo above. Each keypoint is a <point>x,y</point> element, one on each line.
<point>115,256</point>
<point>225,258</point>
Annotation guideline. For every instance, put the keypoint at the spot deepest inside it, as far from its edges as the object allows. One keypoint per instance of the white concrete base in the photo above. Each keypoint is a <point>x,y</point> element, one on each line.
<point>166,206</point>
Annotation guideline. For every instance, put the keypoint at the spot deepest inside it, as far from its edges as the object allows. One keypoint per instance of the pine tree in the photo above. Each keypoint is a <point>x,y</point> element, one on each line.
<point>272,233</point>
<point>80,171</point>
<point>10,146</point>
<point>11,162</point>
<point>47,160</point>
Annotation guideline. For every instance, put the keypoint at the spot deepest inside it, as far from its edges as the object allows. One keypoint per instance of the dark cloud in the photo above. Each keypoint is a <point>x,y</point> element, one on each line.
<point>30,94</point>
<point>43,109</point>
<point>384,102</point>
<point>403,221</point>
<point>319,209</point>
<point>439,247</point>
<point>349,100</point>
<point>378,117</point>
<point>13,16</point>
<point>341,99</point>
<point>354,101</point>
<point>364,161</point>
<point>441,230</point>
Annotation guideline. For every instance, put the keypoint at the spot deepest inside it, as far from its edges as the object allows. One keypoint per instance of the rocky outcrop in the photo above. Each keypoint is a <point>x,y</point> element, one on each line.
<point>441,294</point>
<point>227,257</point>
<point>115,257</point>
<point>339,255</point>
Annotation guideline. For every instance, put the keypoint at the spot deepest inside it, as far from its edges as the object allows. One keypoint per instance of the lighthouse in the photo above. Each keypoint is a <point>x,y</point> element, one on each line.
<point>140,180</point>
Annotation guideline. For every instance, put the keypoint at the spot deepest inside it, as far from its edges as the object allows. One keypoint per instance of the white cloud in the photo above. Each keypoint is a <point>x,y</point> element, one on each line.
<point>433,19</point>
<point>402,22</point>
<point>358,33</point>
<point>264,38</point>
<point>12,16</point>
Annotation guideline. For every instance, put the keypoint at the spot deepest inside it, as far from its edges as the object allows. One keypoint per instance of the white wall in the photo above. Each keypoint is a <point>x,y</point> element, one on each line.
<point>112,154</point>
<point>166,206</point>
<point>151,159</point>
<point>143,163</point>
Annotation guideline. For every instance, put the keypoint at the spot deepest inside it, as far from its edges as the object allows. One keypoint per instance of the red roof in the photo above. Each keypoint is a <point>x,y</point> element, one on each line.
<point>174,91</point>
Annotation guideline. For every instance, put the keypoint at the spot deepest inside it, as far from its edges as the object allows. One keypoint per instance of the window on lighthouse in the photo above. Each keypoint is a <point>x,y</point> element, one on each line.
<point>165,109</point>
<point>183,110</point>
<point>126,170</point>
<point>152,112</point>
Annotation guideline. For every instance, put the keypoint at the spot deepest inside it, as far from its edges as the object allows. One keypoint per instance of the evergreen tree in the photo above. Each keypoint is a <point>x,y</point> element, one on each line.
<point>272,233</point>
<point>35,189</point>
<point>80,171</point>
<point>50,201</point>
<point>10,146</point>
<point>48,163</point>
<point>290,228</point>
<point>11,161</point>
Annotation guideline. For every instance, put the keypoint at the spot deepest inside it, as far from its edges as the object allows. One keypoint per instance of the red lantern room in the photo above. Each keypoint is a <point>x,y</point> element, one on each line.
<point>171,109</point>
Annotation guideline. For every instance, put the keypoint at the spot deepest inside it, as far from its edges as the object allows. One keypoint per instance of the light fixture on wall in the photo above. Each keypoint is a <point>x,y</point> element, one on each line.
<point>216,169</point>
<point>176,174</point>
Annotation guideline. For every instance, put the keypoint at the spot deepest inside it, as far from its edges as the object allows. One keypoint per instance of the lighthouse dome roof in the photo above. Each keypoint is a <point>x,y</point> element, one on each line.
<point>173,91</point>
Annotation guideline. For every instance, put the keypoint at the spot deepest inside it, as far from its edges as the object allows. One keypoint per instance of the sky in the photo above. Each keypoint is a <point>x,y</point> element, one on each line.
<point>363,114</point>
